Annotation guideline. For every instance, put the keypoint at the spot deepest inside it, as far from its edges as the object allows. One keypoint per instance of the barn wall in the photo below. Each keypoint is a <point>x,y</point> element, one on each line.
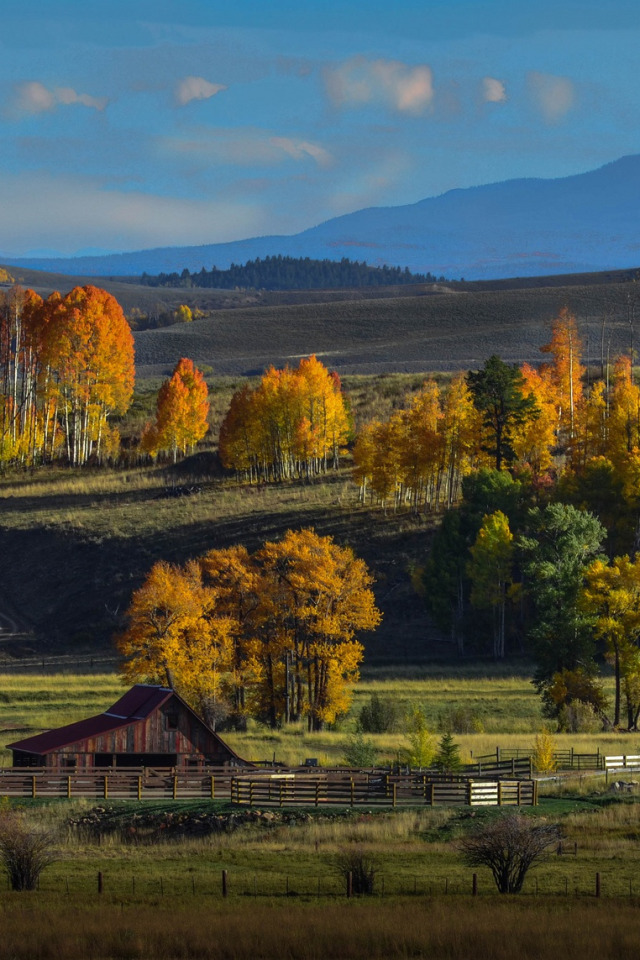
<point>170,730</point>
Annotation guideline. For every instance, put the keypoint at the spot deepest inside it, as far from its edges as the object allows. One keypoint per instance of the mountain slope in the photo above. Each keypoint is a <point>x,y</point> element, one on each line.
<point>582,223</point>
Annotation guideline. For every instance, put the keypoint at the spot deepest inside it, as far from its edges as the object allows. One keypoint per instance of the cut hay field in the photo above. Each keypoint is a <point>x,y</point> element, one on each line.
<point>450,331</point>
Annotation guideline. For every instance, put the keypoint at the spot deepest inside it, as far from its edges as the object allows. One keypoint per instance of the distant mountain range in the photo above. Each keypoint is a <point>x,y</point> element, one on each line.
<point>516,228</point>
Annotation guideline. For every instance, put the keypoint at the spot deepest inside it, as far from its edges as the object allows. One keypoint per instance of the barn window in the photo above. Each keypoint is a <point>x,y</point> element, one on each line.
<point>172,721</point>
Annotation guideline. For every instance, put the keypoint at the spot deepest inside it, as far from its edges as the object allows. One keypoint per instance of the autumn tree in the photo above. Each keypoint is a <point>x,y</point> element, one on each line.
<point>66,367</point>
<point>271,634</point>
<point>612,593</point>
<point>181,412</point>
<point>295,423</point>
<point>490,569</point>
<point>564,373</point>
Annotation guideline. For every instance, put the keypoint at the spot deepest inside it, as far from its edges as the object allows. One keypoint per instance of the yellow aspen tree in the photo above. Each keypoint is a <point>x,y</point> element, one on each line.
<point>490,570</point>
<point>533,440</point>
<point>612,594</point>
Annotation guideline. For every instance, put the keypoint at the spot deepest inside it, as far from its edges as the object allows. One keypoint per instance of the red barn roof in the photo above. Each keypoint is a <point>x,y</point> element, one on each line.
<point>137,704</point>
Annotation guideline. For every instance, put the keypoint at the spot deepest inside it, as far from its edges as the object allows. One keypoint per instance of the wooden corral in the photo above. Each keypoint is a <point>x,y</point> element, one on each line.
<point>281,787</point>
<point>149,726</point>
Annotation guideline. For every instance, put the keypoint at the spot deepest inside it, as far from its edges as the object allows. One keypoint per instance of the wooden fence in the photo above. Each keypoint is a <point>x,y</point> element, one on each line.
<point>564,759</point>
<point>275,788</point>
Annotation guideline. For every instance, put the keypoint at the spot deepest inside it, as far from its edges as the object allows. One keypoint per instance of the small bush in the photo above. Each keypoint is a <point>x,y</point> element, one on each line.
<point>578,717</point>
<point>422,747</point>
<point>380,716</point>
<point>24,851</point>
<point>360,865</point>
<point>460,720</point>
<point>359,752</point>
<point>509,846</point>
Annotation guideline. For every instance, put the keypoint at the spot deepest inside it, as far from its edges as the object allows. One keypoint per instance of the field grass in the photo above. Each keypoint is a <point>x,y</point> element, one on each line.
<point>506,704</point>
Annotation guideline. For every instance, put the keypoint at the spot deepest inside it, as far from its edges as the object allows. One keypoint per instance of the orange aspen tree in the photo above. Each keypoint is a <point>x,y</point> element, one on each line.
<point>67,365</point>
<point>181,412</point>
<point>565,372</point>
<point>624,412</point>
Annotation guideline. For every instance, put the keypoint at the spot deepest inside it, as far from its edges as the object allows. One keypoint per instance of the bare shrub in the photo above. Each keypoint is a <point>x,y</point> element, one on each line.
<point>361,866</point>
<point>509,846</point>
<point>24,851</point>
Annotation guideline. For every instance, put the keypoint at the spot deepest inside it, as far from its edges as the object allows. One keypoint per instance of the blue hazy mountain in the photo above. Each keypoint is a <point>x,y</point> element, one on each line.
<point>528,227</point>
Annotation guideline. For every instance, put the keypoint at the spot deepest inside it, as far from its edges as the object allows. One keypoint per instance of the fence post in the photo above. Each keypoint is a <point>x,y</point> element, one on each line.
<point>519,792</point>
<point>317,792</point>
<point>224,883</point>
<point>175,787</point>
<point>352,792</point>
<point>499,794</point>
<point>474,885</point>
<point>140,787</point>
<point>231,789</point>
<point>281,793</point>
<point>250,793</point>
<point>597,884</point>
<point>33,786</point>
<point>213,787</point>
<point>535,793</point>
<point>106,786</point>
<point>69,787</point>
<point>469,792</point>
<point>395,793</point>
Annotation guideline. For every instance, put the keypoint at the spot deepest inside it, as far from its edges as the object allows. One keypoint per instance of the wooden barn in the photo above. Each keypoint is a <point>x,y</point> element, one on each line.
<point>148,727</point>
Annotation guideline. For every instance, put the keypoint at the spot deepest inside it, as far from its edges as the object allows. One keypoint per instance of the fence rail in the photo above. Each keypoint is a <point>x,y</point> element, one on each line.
<point>275,788</point>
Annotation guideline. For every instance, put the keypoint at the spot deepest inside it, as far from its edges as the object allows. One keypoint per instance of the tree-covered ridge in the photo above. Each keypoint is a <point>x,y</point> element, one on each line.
<point>292,273</point>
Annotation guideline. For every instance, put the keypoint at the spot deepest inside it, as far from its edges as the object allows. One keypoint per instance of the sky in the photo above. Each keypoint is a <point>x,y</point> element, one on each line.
<point>128,125</point>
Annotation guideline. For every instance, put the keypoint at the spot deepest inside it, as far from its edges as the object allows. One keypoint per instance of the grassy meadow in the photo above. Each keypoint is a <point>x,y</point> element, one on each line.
<point>502,703</point>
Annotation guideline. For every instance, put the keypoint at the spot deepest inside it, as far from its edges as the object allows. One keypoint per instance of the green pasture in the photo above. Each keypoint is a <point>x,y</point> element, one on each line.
<point>506,706</point>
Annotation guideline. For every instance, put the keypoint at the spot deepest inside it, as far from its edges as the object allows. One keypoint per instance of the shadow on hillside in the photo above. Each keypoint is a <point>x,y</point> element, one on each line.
<point>77,587</point>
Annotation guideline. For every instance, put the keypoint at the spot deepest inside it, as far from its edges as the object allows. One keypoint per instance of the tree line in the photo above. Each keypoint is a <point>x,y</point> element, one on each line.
<point>291,273</point>
<point>270,635</point>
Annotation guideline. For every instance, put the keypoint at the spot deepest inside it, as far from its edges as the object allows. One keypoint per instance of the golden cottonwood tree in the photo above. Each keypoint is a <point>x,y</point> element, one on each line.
<point>271,635</point>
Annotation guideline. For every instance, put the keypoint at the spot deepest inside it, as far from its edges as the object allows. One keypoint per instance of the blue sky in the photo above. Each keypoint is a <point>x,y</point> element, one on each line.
<point>138,124</point>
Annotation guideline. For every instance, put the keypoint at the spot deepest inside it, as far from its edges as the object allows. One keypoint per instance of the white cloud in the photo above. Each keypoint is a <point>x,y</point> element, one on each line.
<point>301,149</point>
<point>493,91</point>
<point>196,88</point>
<point>552,96</point>
<point>407,89</point>
<point>34,97</point>
<point>249,146</point>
